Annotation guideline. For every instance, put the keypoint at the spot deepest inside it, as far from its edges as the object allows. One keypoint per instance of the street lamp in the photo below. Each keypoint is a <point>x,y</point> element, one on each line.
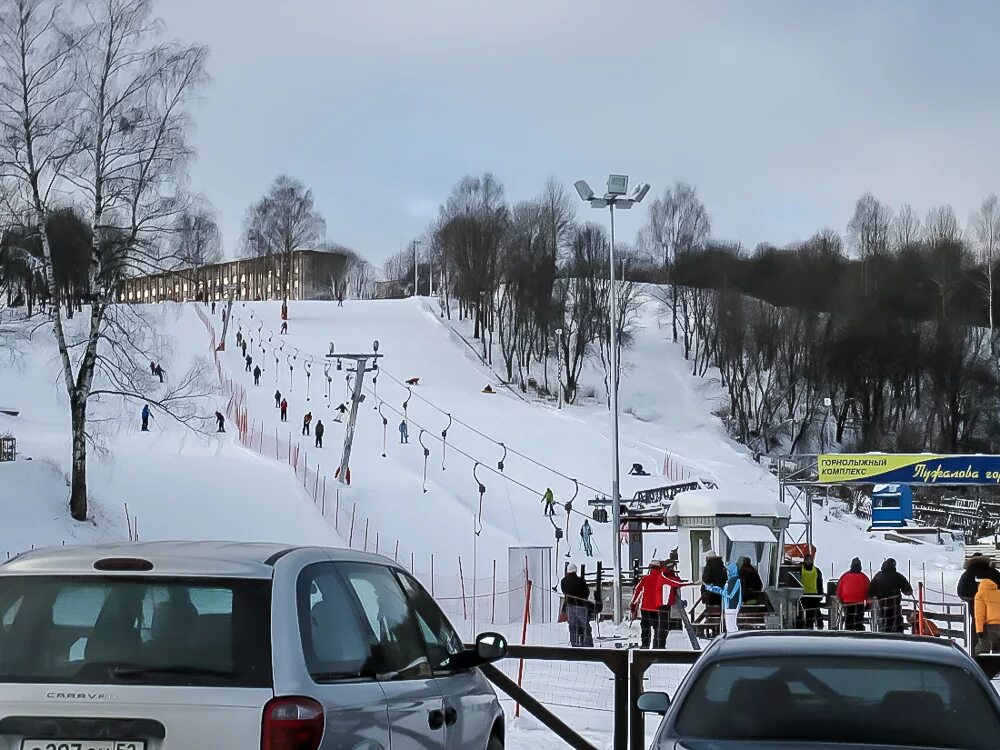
<point>616,197</point>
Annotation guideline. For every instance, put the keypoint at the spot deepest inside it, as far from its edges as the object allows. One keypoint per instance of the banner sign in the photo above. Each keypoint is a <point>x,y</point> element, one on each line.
<point>886,468</point>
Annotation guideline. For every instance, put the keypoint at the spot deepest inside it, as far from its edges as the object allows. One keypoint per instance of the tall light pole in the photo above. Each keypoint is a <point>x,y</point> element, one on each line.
<point>416,267</point>
<point>616,195</point>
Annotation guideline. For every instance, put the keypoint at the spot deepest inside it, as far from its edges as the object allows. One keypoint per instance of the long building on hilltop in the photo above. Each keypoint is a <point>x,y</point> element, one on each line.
<point>313,276</point>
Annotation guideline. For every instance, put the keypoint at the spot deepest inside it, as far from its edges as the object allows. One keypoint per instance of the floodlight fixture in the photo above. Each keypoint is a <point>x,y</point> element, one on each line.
<point>583,189</point>
<point>640,192</point>
<point>617,184</point>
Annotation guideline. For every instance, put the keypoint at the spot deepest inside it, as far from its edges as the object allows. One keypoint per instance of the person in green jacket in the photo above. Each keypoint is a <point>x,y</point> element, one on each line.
<point>812,594</point>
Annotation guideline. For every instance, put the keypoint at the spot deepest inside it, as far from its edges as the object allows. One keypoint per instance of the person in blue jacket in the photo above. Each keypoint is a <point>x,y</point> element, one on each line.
<point>731,593</point>
<point>145,418</point>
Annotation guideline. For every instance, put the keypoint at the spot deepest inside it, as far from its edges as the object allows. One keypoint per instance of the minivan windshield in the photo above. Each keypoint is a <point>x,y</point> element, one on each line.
<point>135,630</point>
<point>841,699</point>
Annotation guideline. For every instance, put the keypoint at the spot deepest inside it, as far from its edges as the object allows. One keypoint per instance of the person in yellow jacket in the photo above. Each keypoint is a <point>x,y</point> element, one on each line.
<point>988,616</point>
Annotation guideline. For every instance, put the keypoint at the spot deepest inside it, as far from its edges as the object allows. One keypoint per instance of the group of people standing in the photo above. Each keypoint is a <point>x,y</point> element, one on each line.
<point>979,588</point>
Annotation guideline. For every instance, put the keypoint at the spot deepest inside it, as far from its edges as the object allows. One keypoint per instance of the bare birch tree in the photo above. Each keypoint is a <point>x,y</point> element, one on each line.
<point>97,112</point>
<point>985,232</point>
<point>906,230</point>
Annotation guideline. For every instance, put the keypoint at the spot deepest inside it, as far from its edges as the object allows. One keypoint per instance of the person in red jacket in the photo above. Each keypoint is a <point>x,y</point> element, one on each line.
<point>852,590</point>
<point>646,602</point>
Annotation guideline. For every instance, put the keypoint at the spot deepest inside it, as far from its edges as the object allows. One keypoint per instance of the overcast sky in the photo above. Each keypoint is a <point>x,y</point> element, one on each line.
<point>780,113</point>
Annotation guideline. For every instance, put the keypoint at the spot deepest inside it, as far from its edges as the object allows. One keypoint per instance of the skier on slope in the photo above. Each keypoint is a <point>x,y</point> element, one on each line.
<point>284,326</point>
<point>320,429</point>
<point>277,399</point>
<point>585,534</point>
<point>284,410</point>
<point>220,421</point>
<point>256,375</point>
<point>341,411</point>
<point>146,416</point>
<point>152,368</point>
<point>249,362</point>
<point>548,499</point>
<point>159,372</point>
<point>306,421</point>
<point>413,381</point>
<point>404,433</point>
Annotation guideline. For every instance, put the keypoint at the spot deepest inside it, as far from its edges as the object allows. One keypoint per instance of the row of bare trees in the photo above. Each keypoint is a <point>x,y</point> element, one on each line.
<point>93,143</point>
<point>891,349</point>
<point>530,276</point>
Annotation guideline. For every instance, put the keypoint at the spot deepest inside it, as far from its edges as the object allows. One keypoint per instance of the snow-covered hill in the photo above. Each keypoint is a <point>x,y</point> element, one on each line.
<point>177,484</point>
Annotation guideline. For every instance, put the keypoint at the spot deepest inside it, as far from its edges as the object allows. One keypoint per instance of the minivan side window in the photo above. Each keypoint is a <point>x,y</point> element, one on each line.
<point>441,639</point>
<point>400,651</point>
<point>334,641</point>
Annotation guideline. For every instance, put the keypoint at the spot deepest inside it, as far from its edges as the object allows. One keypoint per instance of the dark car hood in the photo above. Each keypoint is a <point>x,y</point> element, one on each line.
<point>746,745</point>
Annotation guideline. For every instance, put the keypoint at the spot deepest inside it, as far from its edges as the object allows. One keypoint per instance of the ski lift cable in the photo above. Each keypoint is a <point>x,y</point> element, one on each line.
<point>467,426</point>
<point>483,435</point>
<point>474,460</point>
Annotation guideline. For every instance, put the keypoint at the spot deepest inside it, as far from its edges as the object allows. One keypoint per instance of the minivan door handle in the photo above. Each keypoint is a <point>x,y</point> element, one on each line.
<point>435,718</point>
<point>451,716</point>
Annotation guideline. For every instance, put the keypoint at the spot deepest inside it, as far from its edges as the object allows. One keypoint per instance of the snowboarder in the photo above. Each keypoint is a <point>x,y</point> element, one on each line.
<point>306,421</point>
<point>812,594</point>
<point>549,501</point>
<point>887,589</point>
<point>488,389</point>
<point>852,590</point>
<point>256,375</point>
<point>159,372</point>
<point>577,604</point>
<point>284,326</point>
<point>146,416</point>
<point>413,381</point>
<point>320,429</point>
<point>277,399</point>
<point>341,411</point>
<point>585,534</point>
<point>638,471</point>
<point>249,362</point>
<point>221,420</point>
<point>404,433</point>
<point>284,410</point>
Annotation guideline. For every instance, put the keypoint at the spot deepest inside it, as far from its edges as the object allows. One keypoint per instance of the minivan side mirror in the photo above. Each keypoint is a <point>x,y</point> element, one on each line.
<point>491,647</point>
<point>653,703</point>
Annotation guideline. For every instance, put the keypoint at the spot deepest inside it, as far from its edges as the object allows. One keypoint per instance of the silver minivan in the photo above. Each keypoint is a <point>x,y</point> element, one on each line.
<point>207,645</point>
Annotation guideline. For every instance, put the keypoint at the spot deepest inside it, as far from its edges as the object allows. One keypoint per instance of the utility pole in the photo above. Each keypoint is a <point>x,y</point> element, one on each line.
<point>230,291</point>
<point>357,396</point>
<point>416,267</point>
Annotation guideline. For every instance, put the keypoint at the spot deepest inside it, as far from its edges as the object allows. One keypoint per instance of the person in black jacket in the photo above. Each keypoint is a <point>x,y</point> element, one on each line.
<point>750,582</point>
<point>714,574</point>
<point>887,589</point>
<point>977,568</point>
<point>577,595</point>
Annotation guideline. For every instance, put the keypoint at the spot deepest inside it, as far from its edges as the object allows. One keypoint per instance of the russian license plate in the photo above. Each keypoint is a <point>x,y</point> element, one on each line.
<point>82,745</point>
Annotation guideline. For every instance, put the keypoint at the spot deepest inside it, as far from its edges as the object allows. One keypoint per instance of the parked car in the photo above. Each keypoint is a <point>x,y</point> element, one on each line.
<point>206,645</point>
<point>813,690</point>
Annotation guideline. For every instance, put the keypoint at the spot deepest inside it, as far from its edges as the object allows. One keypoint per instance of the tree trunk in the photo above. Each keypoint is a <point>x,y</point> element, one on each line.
<point>78,484</point>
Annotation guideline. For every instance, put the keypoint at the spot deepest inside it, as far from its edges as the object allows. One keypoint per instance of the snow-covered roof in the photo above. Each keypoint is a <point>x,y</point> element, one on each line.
<point>724,503</point>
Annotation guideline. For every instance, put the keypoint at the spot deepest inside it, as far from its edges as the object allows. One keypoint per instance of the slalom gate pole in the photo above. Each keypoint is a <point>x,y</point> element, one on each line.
<point>524,630</point>
<point>920,603</point>
<point>461,578</point>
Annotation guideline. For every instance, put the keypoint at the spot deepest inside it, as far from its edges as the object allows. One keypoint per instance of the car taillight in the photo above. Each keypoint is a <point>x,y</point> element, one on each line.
<point>292,724</point>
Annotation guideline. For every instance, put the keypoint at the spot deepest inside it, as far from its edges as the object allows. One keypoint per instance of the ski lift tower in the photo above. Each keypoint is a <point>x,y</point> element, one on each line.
<point>230,293</point>
<point>357,396</point>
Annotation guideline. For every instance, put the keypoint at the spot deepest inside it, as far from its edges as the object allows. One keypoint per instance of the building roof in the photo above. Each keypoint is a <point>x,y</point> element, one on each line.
<point>728,502</point>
